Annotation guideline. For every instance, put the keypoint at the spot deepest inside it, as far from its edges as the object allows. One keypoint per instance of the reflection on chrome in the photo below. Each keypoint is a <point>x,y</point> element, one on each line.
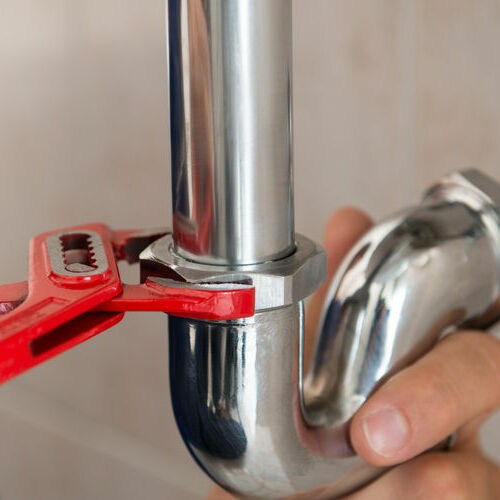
<point>237,388</point>
<point>252,420</point>
<point>231,141</point>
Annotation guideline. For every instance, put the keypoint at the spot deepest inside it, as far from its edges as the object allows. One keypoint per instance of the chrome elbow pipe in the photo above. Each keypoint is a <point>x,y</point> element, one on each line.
<point>250,417</point>
<point>247,413</point>
<point>409,280</point>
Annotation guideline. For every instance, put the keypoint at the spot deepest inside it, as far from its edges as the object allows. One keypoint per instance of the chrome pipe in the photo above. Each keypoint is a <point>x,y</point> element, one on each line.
<point>412,278</point>
<point>231,138</point>
<point>235,391</point>
<point>249,416</point>
<point>260,427</point>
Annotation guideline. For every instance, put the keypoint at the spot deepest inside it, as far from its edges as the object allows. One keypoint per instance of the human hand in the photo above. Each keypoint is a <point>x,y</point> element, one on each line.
<point>455,386</point>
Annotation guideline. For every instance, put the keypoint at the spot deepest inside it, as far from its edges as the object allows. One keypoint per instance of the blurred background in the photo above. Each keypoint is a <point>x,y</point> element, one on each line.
<point>389,95</point>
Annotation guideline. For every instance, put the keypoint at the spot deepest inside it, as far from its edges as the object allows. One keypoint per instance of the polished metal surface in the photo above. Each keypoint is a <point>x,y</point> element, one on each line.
<point>235,393</point>
<point>200,286</point>
<point>231,138</point>
<point>277,283</point>
<point>250,417</point>
<point>411,278</point>
<point>262,429</point>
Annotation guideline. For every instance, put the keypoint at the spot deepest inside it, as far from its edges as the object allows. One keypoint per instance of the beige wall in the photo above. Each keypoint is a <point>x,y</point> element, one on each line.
<point>388,96</point>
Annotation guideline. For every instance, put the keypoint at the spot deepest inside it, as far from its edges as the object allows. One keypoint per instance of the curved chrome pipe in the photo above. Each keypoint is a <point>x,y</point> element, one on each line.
<point>236,399</point>
<point>237,386</point>
<point>247,414</point>
<point>411,278</point>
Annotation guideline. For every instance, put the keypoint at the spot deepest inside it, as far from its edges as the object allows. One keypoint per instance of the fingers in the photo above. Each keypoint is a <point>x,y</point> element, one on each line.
<point>343,229</point>
<point>440,476</point>
<point>456,382</point>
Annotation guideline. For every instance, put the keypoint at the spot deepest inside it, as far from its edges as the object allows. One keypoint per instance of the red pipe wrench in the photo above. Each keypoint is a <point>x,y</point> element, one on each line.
<point>74,292</point>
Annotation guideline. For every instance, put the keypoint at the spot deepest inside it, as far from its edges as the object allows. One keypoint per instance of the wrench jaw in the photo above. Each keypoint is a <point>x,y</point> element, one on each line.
<point>74,292</point>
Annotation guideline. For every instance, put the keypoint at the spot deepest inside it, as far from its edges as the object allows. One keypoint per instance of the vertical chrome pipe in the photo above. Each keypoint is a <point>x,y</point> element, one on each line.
<point>231,139</point>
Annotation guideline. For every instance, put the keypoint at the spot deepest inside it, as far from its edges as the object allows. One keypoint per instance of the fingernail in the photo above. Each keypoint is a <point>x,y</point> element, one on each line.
<point>386,430</point>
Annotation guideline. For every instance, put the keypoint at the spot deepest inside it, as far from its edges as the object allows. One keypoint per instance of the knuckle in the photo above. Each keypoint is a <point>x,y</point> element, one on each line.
<point>442,479</point>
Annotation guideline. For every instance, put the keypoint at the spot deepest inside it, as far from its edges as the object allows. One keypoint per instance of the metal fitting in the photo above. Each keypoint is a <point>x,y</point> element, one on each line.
<point>277,283</point>
<point>438,262</point>
<point>262,427</point>
<point>472,188</point>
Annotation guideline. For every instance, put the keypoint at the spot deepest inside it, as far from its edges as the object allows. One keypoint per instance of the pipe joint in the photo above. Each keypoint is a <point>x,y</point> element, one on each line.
<point>277,283</point>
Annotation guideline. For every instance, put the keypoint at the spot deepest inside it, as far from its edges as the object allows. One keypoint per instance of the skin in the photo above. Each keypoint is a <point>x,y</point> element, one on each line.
<point>454,386</point>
